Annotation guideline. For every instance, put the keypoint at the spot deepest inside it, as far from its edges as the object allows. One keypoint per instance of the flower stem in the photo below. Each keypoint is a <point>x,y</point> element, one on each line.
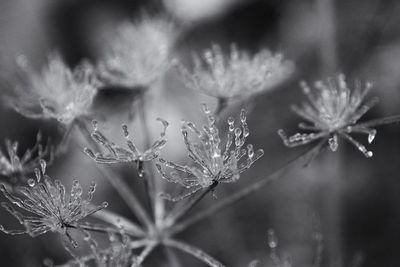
<point>194,251</point>
<point>381,121</point>
<point>246,191</point>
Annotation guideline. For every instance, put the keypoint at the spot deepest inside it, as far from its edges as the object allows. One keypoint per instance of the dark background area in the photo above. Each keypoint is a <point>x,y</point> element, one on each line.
<point>355,198</point>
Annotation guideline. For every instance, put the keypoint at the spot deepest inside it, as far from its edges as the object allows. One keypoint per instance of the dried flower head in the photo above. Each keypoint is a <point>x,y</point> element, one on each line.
<point>333,110</point>
<point>48,206</point>
<point>118,154</point>
<point>56,91</point>
<point>139,54</point>
<point>239,75</point>
<point>212,163</point>
<point>118,254</point>
<point>14,166</point>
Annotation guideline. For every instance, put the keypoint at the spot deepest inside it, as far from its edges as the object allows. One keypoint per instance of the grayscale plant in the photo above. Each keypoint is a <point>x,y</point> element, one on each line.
<point>333,111</point>
<point>213,163</point>
<point>237,75</point>
<point>56,92</point>
<point>118,154</point>
<point>139,54</point>
<point>16,166</point>
<point>48,207</point>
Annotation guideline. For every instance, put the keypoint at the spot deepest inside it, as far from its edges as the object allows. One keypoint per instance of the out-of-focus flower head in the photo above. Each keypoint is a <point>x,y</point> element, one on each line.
<point>139,54</point>
<point>212,163</point>
<point>14,166</point>
<point>56,91</point>
<point>333,110</point>
<point>118,154</point>
<point>118,254</point>
<point>48,207</point>
<point>238,75</point>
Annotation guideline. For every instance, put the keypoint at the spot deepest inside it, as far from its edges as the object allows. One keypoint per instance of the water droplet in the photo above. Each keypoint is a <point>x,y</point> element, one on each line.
<point>250,150</point>
<point>43,165</point>
<point>333,143</point>
<point>371,136</point>
<point>369,154</point>
<point>125,130</point>
<point>31,182</point>
<point>95,125</point>
<point>206,109</point>
<point>243,115</point>
<point>272,240</point>
<point>104,205</point>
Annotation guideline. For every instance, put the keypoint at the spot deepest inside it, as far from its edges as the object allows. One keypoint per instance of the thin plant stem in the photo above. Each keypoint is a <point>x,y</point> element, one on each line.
<point>119,185</point>
<point>171,257</point>
<point>379,122</point>
<point>246,191</point>
<point>190,204</point>
<point>194,251</point>
<point>221,105</point>
<point>138,260</point>
<point>153,183</point>
<point>116,219</point>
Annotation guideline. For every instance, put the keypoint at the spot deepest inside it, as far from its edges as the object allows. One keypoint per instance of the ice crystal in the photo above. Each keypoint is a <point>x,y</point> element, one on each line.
<point>238,75</point>
<point>118,154</point>
<point>12,165</point>
<point>48,207</point>
<point>56,91</point>
<point>139,54</point>
<point>212,163</point>
<point>333,111</point>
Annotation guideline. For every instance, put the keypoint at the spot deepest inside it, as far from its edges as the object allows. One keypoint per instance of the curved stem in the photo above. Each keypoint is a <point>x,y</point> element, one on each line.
<point>144,254</point>
<point>119,185</point>
<point>194,251</point>
<point>246,191</point>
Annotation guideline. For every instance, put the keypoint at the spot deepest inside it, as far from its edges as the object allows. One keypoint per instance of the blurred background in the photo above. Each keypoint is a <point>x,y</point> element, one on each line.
<point>352,200</point>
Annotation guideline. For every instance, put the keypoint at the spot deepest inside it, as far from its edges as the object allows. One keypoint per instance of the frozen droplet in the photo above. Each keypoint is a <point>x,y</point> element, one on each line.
<point>243,115</point>
<point>95,125</point>
<point>333,143</point>
<point>371,136</point>
<point>37,174</point>
<point>369,154</point>
<point>272,240</point>
<point>206,109</point>
<point>250,150</point>
<point>125,130</point>
<point>43,165</point>
<point>238,132</point>
<point>31,182</point>
<point>104,205</point>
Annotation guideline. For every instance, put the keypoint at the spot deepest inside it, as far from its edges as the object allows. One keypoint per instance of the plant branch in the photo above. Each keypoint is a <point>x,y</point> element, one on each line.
<point>138,260</point>
<point>194,251</point>
<point>379,122</point>
<point>246,191</point>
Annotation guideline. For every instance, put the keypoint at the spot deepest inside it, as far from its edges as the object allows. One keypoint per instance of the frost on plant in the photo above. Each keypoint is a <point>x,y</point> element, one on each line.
<point>238,75</point>
<point>118,154</point>
<point>332,111</point>
<point>212,162</point>
<point>139,54</point>
<point>56,91</point>
<point>118,254</point>
<point>48,207</point>
<point>14,166</point>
